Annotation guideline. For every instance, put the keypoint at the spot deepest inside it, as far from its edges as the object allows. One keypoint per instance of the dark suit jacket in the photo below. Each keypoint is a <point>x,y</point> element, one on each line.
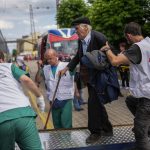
<point>97,41</point>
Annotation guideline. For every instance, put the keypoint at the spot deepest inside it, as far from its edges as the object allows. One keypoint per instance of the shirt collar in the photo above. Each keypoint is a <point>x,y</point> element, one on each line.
<point>87,38</point>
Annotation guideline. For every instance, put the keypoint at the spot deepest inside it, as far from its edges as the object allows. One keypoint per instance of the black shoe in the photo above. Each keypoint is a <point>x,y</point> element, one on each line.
<point>107,133</point>
<point>93,138</point>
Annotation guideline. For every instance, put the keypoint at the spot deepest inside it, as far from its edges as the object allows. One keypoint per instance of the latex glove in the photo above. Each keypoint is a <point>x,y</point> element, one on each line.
<point>41,103</point>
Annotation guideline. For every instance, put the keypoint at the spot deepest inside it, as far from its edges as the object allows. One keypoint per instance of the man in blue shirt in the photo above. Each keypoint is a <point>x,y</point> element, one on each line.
<point>62,106</point>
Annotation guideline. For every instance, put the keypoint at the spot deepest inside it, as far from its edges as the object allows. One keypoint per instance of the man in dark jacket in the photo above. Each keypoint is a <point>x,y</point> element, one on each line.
<point>90,40</point>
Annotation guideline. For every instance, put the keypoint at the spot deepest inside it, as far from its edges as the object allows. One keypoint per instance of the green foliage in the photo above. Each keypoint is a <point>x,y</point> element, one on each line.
<point>91,1</point>
<point>146,29</point>
<point>107,16</point>
<point>68,10</point>
<point>110,16</point>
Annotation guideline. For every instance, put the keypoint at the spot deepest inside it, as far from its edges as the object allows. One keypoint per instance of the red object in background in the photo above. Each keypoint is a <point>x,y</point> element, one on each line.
<point>55,38</point>
<point>64,41</point>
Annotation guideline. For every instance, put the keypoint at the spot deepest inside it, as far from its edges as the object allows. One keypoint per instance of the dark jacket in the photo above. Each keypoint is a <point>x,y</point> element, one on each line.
<point>97,41</point>
<point>105,79</point>
<point>100,80</point>
<point>106,85</point>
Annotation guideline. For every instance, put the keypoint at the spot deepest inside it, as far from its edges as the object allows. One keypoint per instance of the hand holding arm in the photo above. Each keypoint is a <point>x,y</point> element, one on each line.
<point>114,60</point>
<point>105,48</point>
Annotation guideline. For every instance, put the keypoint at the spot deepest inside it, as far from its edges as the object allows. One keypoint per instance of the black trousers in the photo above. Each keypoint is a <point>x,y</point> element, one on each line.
<point>125,78</point>
<point>140,108</point>
<point>97,115</point>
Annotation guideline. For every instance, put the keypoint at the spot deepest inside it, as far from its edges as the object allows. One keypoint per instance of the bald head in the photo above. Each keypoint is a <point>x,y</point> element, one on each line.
<point>50,52</point>
<point>51,57</point>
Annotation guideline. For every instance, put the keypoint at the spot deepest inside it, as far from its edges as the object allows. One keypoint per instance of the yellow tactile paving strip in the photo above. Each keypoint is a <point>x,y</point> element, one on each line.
<point>42,116</point>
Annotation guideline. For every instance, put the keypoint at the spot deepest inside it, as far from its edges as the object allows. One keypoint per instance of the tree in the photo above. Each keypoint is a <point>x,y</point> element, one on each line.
<point>91,1</point>
<point>110,16</point>
<point>68,10</point>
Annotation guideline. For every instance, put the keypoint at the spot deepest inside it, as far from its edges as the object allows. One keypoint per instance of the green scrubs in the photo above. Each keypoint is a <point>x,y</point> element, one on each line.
<point>18,125</point>
<point>62,117</point>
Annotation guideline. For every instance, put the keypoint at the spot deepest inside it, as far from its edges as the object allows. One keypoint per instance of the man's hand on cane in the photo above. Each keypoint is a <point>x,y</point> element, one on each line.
<point>63,71</point>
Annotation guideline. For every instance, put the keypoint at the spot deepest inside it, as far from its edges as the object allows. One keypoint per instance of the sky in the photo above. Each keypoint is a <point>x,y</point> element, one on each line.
<point>15,17</point>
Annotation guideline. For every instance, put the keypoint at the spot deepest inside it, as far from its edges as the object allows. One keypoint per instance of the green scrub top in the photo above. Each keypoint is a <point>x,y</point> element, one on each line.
<point>17,112</point>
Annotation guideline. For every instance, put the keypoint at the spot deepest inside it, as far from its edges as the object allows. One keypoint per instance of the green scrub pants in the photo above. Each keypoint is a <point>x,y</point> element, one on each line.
<point>23,131</point>
<point>62,117</point>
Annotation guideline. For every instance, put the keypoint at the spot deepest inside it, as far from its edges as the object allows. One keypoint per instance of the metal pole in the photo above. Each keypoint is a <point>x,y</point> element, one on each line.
<point>52,102</point>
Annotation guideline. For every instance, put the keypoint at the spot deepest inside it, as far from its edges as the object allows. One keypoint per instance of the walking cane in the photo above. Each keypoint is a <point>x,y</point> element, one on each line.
<point>52,102</point>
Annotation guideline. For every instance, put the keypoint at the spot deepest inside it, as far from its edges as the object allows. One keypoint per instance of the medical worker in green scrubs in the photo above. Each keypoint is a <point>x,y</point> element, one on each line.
<point>17,118</point>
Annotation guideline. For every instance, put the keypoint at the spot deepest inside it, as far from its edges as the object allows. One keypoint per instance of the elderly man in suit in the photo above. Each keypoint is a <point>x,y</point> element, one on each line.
<point>89,40</point>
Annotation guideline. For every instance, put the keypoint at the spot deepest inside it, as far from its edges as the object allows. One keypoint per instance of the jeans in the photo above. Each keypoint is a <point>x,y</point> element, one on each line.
<point>125,78</point>
<point>76,103</point>
<point>140,108</point>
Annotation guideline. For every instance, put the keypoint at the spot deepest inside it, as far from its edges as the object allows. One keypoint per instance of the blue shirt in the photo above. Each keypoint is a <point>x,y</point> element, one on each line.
<point>53,68</point>
<point>85,42</point>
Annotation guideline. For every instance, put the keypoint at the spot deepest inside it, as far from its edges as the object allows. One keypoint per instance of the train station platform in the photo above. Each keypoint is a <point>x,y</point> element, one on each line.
<point>74,139</point>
